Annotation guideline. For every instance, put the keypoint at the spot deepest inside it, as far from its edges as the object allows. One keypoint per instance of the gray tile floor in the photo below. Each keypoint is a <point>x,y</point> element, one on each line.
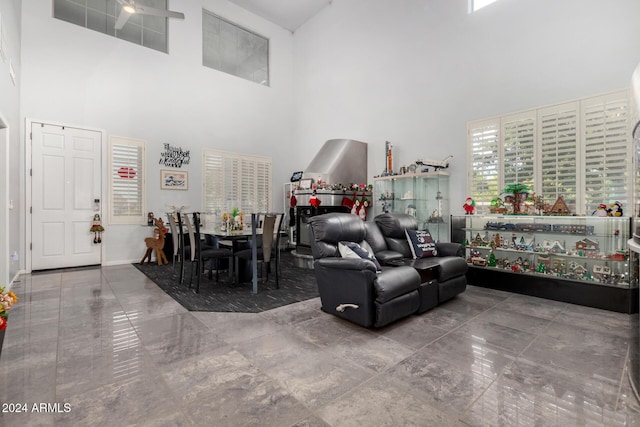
<point>110,348</point>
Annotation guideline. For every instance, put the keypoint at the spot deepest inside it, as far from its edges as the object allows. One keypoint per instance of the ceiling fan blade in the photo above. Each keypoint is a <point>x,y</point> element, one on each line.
<point>146,10</point>
<point>122,19</point>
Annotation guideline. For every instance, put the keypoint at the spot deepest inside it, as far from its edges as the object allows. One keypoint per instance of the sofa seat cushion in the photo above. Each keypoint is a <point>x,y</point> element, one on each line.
<point>393,282</point>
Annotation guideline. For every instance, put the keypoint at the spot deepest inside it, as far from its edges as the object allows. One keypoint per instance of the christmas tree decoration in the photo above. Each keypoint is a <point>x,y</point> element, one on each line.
<point>492,260</point>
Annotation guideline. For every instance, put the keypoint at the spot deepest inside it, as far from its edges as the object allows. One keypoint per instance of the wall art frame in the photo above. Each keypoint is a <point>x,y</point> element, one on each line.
<point>174,179</point>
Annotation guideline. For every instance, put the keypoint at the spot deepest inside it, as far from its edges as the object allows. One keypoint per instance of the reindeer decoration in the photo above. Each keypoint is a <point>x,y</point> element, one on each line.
<point>156,243</point>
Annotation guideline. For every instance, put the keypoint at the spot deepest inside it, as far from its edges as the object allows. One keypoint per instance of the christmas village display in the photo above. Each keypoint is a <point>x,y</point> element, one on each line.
<point>517,246</point>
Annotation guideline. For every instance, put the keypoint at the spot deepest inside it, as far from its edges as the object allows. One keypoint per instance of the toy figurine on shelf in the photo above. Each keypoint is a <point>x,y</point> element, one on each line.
<point>600,211</point>
<point>97,229</point>
<point>469,206</point>
<point>517,194</point>
<point>615,209</point>
<point>492,260</point>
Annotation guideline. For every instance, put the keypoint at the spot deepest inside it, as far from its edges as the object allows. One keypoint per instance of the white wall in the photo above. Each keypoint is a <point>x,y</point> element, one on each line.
<point>85,78</point>
<point>414,71</point>
<point>11,178</point>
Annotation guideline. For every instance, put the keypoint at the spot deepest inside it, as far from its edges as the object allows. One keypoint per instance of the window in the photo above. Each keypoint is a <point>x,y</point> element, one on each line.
<point>579,150</point>
<point>100,15</point>
<point>234,180</point>
<point>232,49</point>
<point>475,5</point>
<point>127,187</point>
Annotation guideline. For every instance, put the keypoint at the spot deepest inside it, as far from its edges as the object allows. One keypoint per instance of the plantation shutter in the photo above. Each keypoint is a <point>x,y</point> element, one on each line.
<point>263,185</point>
<point>518,132</point>
<point>557,130</point>
<point>236,181</point>
<point>213,183</point>
<point>608,154</point>
<point>484,158</point>
<point>127,187</point>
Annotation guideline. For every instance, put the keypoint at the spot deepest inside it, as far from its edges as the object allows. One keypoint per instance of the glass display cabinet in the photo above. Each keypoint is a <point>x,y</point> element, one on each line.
<point>423,195</point>
<point>581,260</point>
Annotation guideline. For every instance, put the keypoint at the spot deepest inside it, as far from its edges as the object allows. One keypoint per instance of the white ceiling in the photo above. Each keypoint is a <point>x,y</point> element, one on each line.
<point>289,14</point>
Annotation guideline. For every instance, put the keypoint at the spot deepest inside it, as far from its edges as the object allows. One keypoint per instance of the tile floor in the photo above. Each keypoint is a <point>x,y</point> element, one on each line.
<point>110,348</point>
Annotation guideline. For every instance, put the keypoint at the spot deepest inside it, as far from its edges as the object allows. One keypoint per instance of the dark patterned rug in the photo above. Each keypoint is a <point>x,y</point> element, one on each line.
<point>296,284</point>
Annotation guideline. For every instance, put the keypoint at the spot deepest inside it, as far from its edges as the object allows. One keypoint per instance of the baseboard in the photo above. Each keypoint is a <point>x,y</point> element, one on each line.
<point>120,262</point>
<point>15,279</point>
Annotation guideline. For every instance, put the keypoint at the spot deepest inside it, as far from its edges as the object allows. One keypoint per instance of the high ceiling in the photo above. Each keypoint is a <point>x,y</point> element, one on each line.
<point>289,14</point>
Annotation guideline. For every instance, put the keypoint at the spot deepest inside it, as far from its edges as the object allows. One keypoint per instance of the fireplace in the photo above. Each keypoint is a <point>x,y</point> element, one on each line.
<point>303,213</point>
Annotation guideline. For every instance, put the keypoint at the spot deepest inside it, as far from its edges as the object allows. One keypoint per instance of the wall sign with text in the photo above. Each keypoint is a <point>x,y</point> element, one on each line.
<point>174,157</point>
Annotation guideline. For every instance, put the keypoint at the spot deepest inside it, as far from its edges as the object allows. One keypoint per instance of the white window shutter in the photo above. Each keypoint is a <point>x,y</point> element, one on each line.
<point>606,145</point>
<point>580,150</point>
<point>127,186</point>
<point>484,167</point>
<point>557,130</point>
<point>518,158</point>
<point>235,180</point>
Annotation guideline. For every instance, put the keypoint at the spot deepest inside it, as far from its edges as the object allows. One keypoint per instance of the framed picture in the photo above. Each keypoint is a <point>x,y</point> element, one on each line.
<point>305,184</point>
<point>174,180</point>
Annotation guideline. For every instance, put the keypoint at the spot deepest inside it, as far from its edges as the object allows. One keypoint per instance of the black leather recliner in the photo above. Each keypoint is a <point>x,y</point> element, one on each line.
<point>448,266</point>
<point>351,288</point>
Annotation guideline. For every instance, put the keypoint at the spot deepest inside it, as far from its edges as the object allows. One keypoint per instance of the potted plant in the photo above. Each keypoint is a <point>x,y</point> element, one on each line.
<point>7,299</point>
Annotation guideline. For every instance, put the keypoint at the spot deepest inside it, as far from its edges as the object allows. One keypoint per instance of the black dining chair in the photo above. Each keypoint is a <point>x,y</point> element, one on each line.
<point>201,253</point>
<point>268,245</point>
<point>175,236</point>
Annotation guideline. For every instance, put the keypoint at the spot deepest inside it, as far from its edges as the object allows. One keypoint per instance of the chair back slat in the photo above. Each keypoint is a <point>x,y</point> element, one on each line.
<point>268,226</point>
<point>192,239</point>
<point>174,232</point>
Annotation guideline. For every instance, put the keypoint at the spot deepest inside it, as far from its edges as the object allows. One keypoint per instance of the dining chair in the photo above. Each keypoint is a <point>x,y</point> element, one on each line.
<point>184,244</point>
<point>175,237</point>
<point>201,253</point>
<point>268,244</point>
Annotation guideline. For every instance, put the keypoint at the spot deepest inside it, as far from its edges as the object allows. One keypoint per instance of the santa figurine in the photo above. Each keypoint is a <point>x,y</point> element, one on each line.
<point>469,206</point>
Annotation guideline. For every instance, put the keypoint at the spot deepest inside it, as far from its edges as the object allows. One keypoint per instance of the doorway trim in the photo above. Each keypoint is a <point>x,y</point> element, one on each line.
<point>5,204</point>
<point>29,181</point>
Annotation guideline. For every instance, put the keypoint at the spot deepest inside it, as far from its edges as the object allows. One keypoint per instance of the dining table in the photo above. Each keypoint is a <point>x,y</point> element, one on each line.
<point>246,234</point>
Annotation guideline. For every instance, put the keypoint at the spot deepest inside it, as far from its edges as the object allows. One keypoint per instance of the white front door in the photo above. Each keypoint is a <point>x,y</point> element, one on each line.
<point>66,182</point>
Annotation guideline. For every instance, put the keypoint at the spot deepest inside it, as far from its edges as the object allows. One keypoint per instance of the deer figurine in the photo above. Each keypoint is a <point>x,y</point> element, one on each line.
<point>156,243</point>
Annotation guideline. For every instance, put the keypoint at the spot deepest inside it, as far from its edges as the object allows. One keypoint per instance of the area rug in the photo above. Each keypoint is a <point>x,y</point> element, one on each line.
<point>296,284</point>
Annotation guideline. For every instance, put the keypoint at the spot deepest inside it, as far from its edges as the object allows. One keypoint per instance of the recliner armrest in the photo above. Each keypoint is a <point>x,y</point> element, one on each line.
<point>450,249</point>
<point>346,263</point>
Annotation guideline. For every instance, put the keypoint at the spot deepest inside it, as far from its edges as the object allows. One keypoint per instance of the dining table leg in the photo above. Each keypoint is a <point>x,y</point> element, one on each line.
<point>254,252</point>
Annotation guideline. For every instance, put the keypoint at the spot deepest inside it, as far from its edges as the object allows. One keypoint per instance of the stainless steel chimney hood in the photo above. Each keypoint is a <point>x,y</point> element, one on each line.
<point>339,161</point>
